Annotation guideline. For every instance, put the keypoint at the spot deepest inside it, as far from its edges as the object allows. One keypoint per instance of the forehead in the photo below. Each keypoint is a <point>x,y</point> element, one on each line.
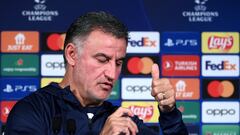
<point>105,42</point>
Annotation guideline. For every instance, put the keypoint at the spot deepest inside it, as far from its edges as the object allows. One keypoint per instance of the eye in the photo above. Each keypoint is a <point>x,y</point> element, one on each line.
<point>102,59</point>
<point>119,62</point>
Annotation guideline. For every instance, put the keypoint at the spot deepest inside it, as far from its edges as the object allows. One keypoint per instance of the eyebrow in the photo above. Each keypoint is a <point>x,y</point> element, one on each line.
<point>108,57</point>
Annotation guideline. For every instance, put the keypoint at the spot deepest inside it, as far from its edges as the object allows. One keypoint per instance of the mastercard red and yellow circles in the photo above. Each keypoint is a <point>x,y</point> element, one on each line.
<point>138,65</point>
<point>55,41</point>
<point>220,89</point>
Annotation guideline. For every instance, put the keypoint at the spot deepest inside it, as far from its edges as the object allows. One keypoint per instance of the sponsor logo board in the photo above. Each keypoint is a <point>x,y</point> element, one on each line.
<point>186,42</point>
<point>190,111</point>
<point>6,107</point>
<point>139,65</point>
<point>220,42</point>
<point>220,112</point>
<point>186,88</point>
<point>20,41</point>
<point>220,130</point>
<point>147,111</point>
<point>52,65</point>
<point>17,88</point>
<point>180,65</point>
<point>19,65</point>
<point>46,81</point>
<point>53,42</point>
<point>220,88</point>
<point>143,42</point>
<point>220,65</point>
<point>136,88</point>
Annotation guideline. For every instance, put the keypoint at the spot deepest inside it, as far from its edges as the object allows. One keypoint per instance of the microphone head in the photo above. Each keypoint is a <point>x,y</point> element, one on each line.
<point>56,124</point>
<point>71,126</point>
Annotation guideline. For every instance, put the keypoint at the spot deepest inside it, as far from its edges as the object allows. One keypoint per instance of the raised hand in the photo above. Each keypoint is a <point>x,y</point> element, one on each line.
<point>162,91</point>
<point>120,123</point>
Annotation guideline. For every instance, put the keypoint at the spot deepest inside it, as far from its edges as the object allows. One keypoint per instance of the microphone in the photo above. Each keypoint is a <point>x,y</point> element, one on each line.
<point>71,126</point>
<point>56,124</point>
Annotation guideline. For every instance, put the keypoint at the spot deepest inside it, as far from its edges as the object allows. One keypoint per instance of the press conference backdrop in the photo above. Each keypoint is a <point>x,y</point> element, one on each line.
<point>195,43</point>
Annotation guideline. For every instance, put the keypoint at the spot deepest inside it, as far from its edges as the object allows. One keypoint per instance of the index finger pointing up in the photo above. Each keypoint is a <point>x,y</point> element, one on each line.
<point>155,71</point>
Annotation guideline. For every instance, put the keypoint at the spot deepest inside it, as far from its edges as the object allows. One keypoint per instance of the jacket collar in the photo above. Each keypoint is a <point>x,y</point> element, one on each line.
<point>67,95</point>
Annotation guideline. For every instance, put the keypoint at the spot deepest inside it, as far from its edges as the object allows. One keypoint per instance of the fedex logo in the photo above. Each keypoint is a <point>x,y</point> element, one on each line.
<point>224,65</point>
<point>220,65</point>
<point>143,42</point>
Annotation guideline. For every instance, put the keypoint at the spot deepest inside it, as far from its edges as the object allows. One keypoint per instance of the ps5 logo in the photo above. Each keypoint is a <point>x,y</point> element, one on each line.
<point>180,42</point>
<point>19,88</point>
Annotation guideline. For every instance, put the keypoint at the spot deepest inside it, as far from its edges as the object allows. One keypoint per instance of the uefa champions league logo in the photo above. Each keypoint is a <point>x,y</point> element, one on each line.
<point>40,1</point>
<point>200,5</point>
<point>200,12</point>
<point>202,2</point>
<point>40,5</point>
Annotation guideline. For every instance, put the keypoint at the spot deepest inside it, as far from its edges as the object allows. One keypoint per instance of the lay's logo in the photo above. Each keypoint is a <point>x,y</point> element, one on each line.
<point>220,42</point>
<point>143,112</point>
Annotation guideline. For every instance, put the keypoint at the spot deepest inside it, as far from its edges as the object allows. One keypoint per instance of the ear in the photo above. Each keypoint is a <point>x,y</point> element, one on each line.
<point>70,54</point>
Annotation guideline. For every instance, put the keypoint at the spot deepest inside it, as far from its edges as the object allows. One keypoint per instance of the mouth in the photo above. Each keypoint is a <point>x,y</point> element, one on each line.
<point>106,86</point>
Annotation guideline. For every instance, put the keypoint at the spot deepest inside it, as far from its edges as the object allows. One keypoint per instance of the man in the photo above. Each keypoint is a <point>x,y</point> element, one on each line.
<point>94,50</point>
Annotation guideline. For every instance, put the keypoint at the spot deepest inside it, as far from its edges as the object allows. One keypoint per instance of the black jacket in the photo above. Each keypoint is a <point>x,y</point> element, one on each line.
<point>52,110</point>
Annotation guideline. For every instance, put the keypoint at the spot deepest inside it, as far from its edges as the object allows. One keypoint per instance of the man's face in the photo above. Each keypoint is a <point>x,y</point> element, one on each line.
<point>99,65</point>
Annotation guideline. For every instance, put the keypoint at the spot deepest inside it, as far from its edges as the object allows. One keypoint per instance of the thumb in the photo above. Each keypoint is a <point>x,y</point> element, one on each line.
<point>121,111</point>
<point>155,71</point>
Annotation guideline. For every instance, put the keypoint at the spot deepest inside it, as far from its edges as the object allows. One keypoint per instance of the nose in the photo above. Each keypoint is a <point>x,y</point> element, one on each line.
<point>110,71</point>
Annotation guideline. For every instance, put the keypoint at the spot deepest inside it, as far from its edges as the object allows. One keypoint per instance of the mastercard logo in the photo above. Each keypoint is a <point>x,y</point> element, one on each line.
<point>138,65</point>
<point>55,41</point>
<point>220,88</point>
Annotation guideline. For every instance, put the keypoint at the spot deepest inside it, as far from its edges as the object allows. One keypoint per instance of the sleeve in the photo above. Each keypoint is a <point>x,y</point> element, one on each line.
<point>24,119</point>
<point>143,128</point>
<point>171,123</point>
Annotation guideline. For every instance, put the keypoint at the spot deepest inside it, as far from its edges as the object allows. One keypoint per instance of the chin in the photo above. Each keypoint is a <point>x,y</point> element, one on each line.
<point>102,97</point>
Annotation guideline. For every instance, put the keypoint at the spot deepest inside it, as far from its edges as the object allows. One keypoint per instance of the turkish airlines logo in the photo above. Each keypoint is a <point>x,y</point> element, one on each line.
<point>136,88</point>
<point>139,65</point>
<point>220,42</point>
<point>14,41</point>
<point>180,65</point>
<point>6,107</point>
<point>220,112</point>
<point>220,65</point>
<point>52,65</point>
<point>221,88</point>
<point>143,42</point>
